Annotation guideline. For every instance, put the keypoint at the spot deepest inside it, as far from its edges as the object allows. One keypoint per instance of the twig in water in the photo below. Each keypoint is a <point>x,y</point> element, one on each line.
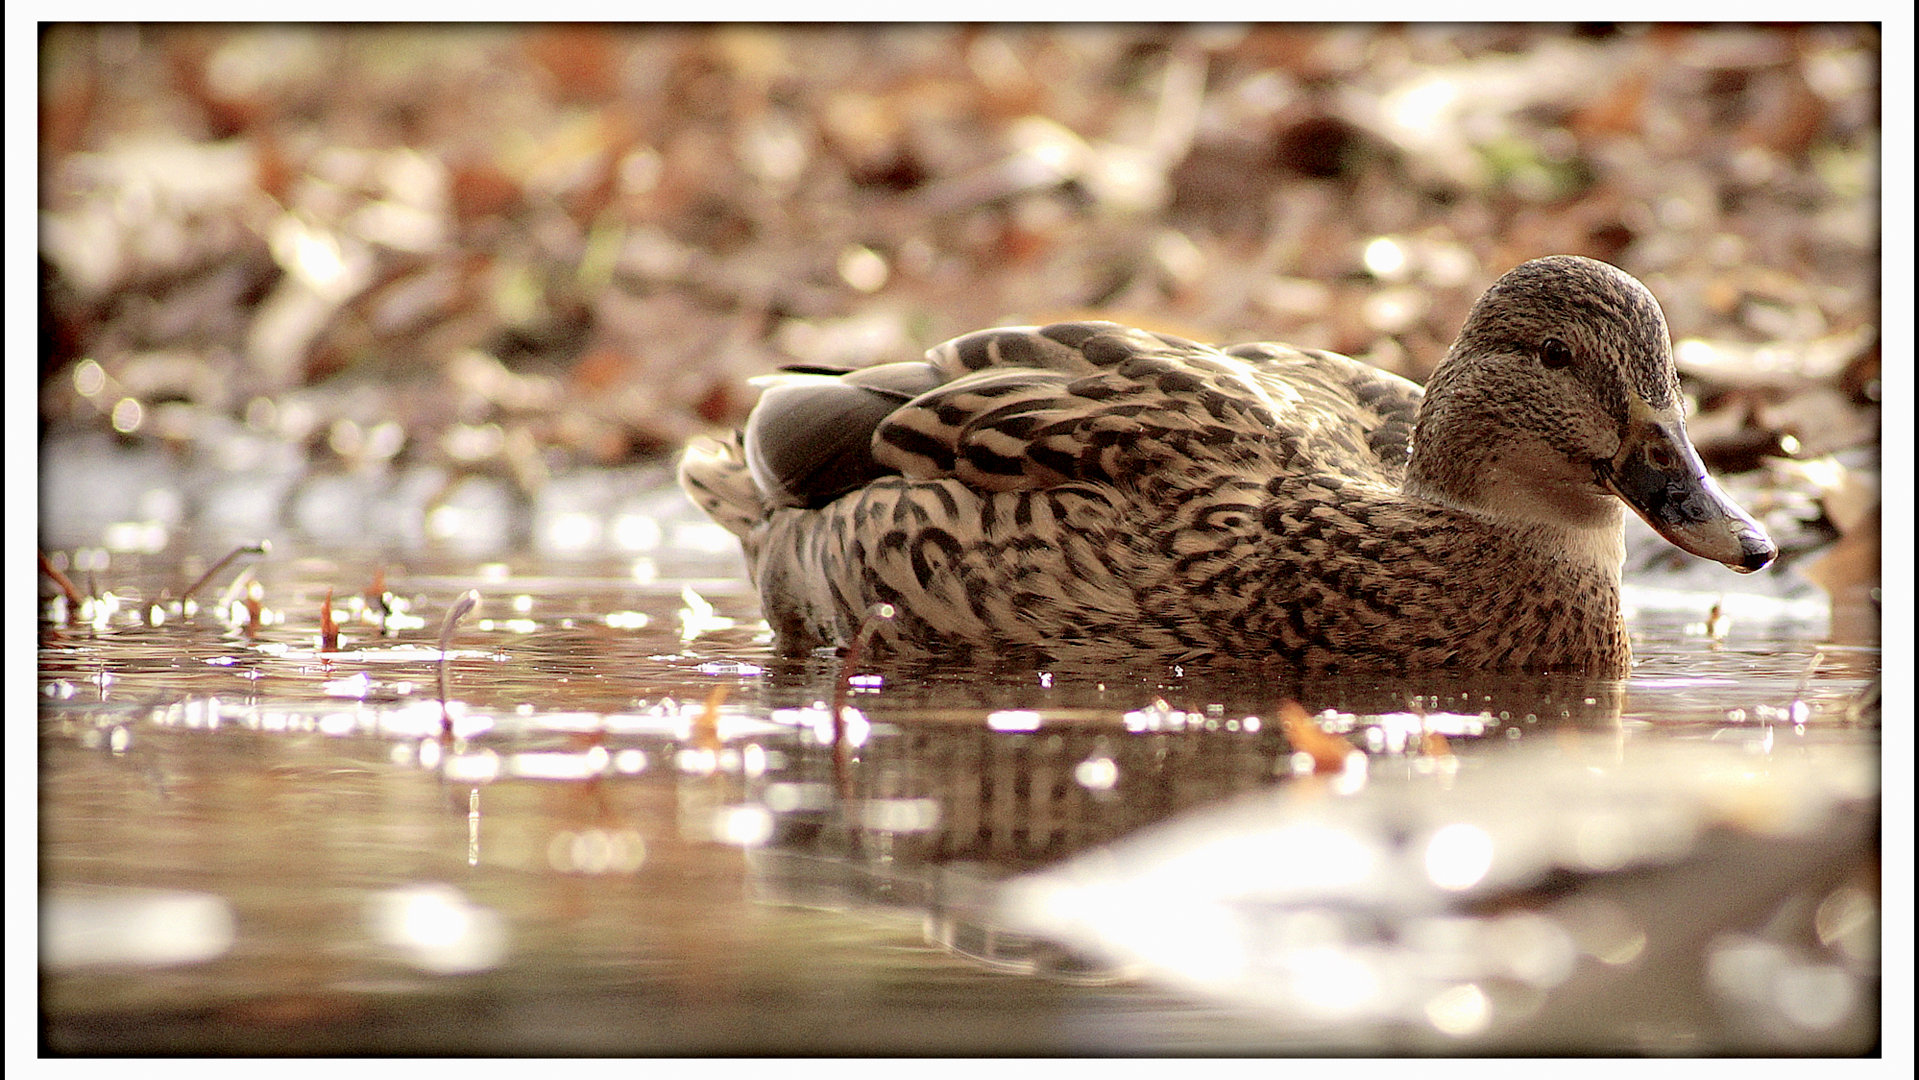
<point>869,626</point>
<point>1798,710</point>
<point>251,600</point>
<point>377,598</point>
<point>1864,706</point>
<point>72,594</point>
<point>461,608</point>
<point>329,630</point>
<point>1818,657</point>
<point>261,548</point>
<point>706,726</point>
<point>243,583</point>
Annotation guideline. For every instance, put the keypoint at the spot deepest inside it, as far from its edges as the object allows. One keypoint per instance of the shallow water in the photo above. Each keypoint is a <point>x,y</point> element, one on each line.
<point>630,828</point>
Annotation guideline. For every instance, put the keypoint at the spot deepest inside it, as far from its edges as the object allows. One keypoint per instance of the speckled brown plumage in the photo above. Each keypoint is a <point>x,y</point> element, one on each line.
<point>1093,492</point>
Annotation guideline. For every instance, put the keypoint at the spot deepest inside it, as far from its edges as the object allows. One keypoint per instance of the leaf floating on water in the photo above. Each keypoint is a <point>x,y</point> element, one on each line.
<point>706,726</point>
<point>1329,753</point>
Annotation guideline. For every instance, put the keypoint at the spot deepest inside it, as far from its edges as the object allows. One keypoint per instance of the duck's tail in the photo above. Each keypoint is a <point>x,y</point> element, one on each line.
<point>714,475</point>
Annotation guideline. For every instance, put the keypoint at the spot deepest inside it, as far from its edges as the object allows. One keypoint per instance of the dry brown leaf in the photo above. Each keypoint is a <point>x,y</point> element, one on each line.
<point>1329,752</point>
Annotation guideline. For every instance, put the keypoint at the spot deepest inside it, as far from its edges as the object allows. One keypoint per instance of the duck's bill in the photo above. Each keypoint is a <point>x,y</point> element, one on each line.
<point>1659,475</point>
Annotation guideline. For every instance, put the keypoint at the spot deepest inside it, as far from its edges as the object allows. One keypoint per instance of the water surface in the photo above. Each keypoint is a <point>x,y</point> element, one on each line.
<point>631,829</point>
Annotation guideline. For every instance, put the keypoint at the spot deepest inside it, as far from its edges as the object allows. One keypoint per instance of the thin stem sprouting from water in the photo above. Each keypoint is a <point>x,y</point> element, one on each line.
<point>329,629</point>
<point>460,609</point>
<point>1798,710</point>
<point>261,548</point>
<point>842,684</point>
<point>1818,657</point>
<point>66,584</point>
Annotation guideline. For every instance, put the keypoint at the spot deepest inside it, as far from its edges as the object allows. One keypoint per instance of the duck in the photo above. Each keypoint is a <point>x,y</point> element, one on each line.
<point>1089,492</point>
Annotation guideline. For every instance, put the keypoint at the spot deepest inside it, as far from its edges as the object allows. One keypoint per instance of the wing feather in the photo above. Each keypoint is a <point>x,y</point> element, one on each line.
<point>1026,408</point>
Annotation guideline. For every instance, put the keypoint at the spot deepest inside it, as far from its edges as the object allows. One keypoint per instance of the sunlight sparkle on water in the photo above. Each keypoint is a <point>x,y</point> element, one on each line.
<point>97,925</point>
<point>744,826</point>
<point>1013,720</point>
<point>353,686</point>
<point>416,717</point>
<point>1460,1010</point>
<point>786,797</point>
<point>1297,858</point>
<point>572,530</point>
<point>820,721</point>
<point>144,537</point>
<point>474,767</point>
<point>558,765</point>
<point>596,851</point>
<point>1332,981</point>
<point>1458,856</point>
<point>697,616</point>
<point>339,724</point>
<point>1161,717</point>
<point>636,532</point>
<point>1200,943</point>
<point>1097,774</point>
<point>696,761</point>
<point>436,928</point>
<point>898,815</point>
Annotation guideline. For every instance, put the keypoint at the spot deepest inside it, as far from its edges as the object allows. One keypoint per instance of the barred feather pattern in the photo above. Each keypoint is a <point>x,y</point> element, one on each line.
<point>1093,492</point>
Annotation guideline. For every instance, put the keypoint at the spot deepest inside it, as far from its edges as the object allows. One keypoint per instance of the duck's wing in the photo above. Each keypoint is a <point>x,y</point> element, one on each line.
<point>1381,407</point>
<point>817,434</point>
<point>1037,407</point>
<point>1022,408</point>
<point>1031,407</point>
<point>809,440</point>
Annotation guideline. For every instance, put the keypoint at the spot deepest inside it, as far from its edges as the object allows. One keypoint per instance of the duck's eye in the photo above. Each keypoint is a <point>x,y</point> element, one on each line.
<point>1555,353</point>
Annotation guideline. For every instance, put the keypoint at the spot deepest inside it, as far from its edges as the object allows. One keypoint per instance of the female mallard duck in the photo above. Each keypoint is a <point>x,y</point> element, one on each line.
<point>1091,491</point>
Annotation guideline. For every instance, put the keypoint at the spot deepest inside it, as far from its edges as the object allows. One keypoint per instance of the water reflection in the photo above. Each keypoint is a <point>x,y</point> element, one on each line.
<point>1385,909</point>
<point>646,812</point>
<point>437,928</point>
<point>99,926</point>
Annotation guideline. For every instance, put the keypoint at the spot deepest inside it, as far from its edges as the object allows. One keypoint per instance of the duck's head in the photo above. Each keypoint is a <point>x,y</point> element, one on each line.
<point>1559,397</point>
